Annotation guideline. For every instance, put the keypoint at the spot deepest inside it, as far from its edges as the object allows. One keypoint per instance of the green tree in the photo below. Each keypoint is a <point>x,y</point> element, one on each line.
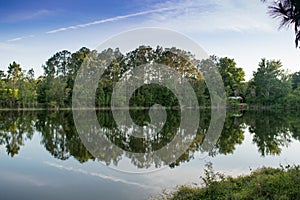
<point>58,65</point>
<point>2,87</point>
<point>14,73</point>
<point>14,77</point>
<point>270,83</point>
<point>295,80</point>
<point>27,90</point>
<point>52,88</point>
<point>76,61</point>
<point>2,74</point>
<point>292,100</point>
<point>232,75</point>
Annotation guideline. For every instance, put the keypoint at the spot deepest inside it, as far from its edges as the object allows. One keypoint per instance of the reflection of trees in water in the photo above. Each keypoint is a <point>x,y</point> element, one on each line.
<point>232,135</point>
<point>294,124</point>
<point>15,129</point>
<point>110,144</point>
<point>153,139</point>
<point>271,132</point>
<point>59,136</point>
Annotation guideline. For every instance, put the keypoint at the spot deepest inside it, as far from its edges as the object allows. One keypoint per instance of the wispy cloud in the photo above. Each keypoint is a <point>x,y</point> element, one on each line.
<point>195,15</point>
<point>112,19</point>
<point>187,16</point>
<point>114,179</point>
<point>20,38</point>
<point>214,15</point>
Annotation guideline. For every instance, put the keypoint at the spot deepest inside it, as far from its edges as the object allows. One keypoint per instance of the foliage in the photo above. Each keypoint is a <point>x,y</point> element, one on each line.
<point>270,87</point>
<point>269,84</point>
<point>232,75</point>
<point>17,87</point>
<point>56,86</point>
<point>263,183</point>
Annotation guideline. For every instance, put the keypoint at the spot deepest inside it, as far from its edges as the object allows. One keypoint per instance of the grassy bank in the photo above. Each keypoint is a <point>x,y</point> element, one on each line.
<point>265,183</point>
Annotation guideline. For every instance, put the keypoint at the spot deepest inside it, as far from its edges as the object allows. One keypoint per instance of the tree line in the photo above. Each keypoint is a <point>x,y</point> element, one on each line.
<point>271,86</point>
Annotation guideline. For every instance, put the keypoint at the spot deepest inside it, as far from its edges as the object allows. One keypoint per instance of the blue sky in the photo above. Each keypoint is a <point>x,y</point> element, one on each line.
<point>32,31</point>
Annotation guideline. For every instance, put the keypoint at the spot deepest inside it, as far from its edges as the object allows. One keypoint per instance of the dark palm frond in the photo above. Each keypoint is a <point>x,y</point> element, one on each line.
<point>297,38</point>
<point>288,11</point>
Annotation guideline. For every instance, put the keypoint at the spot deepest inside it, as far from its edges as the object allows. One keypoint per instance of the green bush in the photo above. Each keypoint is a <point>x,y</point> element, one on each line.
<point>264,183</point>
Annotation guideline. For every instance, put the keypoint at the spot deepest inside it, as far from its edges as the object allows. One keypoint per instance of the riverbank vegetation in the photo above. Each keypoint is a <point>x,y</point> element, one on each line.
<point>263,183</point>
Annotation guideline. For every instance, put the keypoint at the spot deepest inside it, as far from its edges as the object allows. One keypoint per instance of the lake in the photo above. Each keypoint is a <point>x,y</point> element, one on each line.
<point>44,157</point>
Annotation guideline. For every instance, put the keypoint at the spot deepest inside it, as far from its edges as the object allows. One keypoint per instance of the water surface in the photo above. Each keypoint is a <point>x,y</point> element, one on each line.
<point>42,155</point>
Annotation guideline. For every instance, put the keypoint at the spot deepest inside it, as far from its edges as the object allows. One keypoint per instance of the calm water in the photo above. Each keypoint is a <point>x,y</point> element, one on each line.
<point>43,157</point>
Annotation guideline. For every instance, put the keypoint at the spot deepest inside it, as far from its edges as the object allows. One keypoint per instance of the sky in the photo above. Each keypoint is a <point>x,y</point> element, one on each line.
<point>32,31</point>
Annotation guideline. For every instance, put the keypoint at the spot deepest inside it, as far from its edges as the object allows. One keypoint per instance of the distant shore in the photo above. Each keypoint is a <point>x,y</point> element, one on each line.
<point>250,107</point>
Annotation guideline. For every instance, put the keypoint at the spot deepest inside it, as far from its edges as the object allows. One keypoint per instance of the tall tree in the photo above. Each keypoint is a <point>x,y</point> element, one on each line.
<point>14,77</point>
<point>14,73</point>
<point>232,75</point>
<point>270,82</point>
<point>58,64</point>
<point>295,80</point>
<point>2,74</point>
<point>27,90</point>
<point>76,61</point>
<point>52,89</point>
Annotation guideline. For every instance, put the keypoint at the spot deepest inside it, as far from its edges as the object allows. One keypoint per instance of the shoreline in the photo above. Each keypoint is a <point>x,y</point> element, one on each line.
<point>250,108</point>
